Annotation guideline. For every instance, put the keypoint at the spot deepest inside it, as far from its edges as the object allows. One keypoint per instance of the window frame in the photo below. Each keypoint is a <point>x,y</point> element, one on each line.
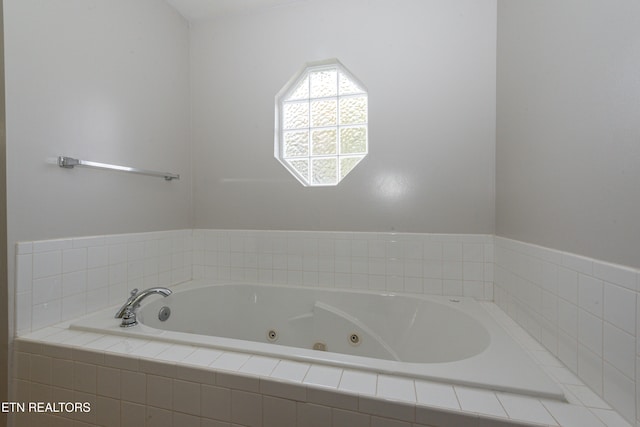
<point>282,98</point>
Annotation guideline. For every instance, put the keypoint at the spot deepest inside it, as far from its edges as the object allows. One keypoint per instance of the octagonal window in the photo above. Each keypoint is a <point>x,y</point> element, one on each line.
<point>321,124</point>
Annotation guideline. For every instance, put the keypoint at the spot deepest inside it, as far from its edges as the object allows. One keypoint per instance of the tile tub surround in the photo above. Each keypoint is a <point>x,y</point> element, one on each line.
<point>133,382</point>
<point>60,279</point>
<point>584,311</point>
<point>436,264</point>
<point>65,278</point>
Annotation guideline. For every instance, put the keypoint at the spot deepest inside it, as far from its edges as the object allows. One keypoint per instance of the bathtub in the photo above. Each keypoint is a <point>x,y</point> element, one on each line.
<point>452,340</point>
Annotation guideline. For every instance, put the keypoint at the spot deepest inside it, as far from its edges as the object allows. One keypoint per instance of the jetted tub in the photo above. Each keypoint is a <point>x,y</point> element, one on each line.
<point>452,340</point>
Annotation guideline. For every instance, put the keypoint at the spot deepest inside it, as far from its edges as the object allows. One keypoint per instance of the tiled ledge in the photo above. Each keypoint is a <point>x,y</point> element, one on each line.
<point>584,311</point>
<point>60,279</point>
<point>133,381</point>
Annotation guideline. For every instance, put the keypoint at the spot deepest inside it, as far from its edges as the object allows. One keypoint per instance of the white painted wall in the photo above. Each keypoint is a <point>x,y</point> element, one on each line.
<point>430,71</point>
<point>568,134</point>
<point>102,80</point>
<point>567,179</point>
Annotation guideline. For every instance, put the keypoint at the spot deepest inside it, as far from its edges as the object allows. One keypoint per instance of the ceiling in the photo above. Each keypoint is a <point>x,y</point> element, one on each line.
<point>194,10</point>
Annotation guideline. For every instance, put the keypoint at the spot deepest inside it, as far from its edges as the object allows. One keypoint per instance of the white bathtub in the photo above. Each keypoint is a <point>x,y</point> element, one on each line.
<point>452,340</point>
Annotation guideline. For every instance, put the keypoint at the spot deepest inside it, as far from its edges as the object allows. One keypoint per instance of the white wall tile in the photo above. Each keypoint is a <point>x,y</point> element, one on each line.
<point>73,306</point>
<point>474,289</point>
<point>47,264</point>
<point>473,252</point>
<point>617,274</point>
<point>479,401</point>
<point>568,351</point>
<point>473,271</point>
<point>397,266</point>
<point>98,256</point>
<point>432,250</point>
<point>637,388</point>
<point>432,269</point>
<point>47,289</point>
<point>619,350</point>
<point>436,394</point>
<point>46,314</point>
<point>568,284</point>
<point>452,251</point>
<point>325,376</point>
<point>571,415</point>
<point>312,415</point>
<point>610,417</point>
<point>259,365</point>
<point>396,388</point>
<point>97,278</point>
<point>216,402</point>
<point>202,357</point>
<point>619,391</point>
<point>578,263</point>
<point>230,361</point>
<point>74,283</point>
<point>452,287</point>
<point>278,412</point>
<point>587,397</point>
<point>23,308</point>
<point>51,245</point>
<point>359,248</point>
<point>176,353</point>
<point>186,397</point>
<point>85,242</point>
<point>620,307</point>
<point>97,299</point>
<point>136,251</point>
<point>590,331</point>
<point>413,248</point>
<point>159,391</point>
<point>637,335</point>
<point>74,260</point>
<point>24,248</point>
<point>452,270</point>
<point>525,409</point>
<point>590,368</point>
<point>290,370</point>
<point>246,408</point>
<point>549,277</point>
<point>24,272</point>
<point>358,382</point>
<point>342,418</point>
<point>568,317</point>
<point>394,412</point>
<point>607,316</point>
<point>590,294</point>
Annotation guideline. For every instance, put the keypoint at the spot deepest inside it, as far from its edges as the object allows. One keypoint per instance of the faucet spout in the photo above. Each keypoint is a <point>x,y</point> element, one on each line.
<point>128,311</point>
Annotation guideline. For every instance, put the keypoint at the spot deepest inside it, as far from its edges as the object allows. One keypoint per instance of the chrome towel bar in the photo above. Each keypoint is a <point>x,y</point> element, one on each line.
<point>70,162</point>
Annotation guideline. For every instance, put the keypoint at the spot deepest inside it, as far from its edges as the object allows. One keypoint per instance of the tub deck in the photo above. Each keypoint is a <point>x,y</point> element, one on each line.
<point>493,362</point>
<point>245,385</point>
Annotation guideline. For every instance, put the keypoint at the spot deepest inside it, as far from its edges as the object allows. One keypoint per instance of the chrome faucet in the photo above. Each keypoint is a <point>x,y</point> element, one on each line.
<point>128,311</point>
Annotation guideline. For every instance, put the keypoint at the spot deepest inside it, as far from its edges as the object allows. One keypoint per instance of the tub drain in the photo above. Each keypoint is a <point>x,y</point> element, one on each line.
<point>354,339</point>
<point>272,335</point>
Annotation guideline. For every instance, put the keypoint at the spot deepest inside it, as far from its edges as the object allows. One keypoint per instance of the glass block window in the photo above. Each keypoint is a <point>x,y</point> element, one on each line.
<point>321,124</point>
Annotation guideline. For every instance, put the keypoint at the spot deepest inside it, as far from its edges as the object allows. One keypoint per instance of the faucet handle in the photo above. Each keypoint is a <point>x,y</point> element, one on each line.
<point>128,318</point>
<point>120,313</point>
